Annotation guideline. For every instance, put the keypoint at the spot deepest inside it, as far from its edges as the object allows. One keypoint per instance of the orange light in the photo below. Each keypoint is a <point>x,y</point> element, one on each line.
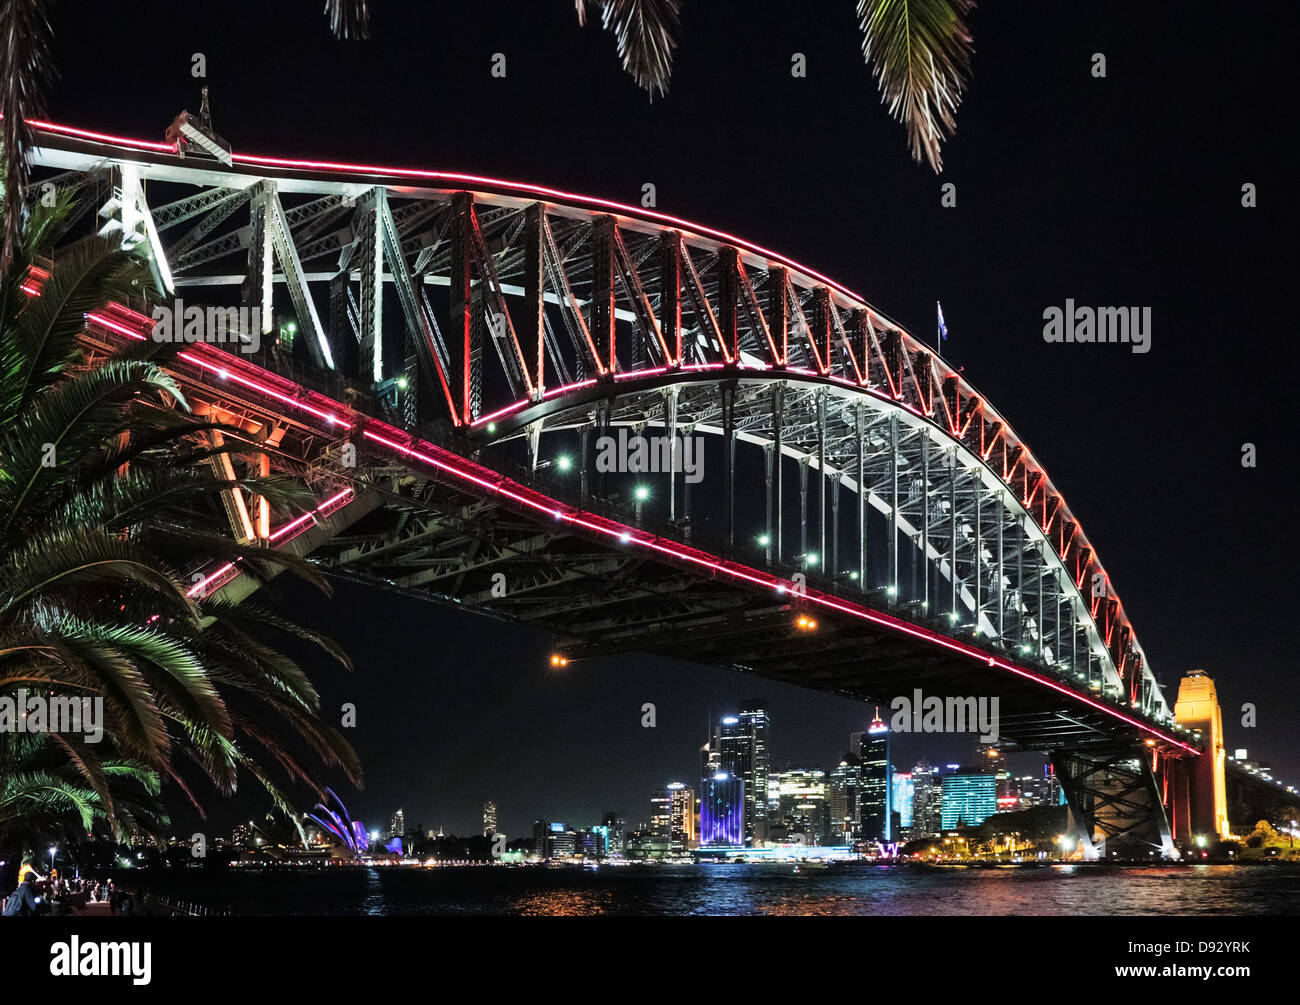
<point>558,661</point>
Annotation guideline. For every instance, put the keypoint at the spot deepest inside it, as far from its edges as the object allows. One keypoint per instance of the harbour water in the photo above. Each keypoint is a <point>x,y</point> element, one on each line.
<point>853,889</point>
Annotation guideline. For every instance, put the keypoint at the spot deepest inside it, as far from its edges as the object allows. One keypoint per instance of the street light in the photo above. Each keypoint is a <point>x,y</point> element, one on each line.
<point>53,849</point>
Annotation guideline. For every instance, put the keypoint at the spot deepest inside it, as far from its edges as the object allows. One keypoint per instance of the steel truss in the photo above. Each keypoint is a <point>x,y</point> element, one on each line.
<point>526,313</point>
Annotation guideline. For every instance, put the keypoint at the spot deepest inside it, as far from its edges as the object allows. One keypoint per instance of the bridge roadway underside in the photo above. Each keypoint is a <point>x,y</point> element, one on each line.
<point>432,539</point>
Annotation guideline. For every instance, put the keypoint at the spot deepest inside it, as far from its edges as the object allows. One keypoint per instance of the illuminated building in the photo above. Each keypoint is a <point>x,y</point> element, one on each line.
<point>722,811</point>
<point>969,797</point>
<point>904,794</point>
<point>926,803</point>
<point>803,802</point>
<point>842,800</point>
<point>672,817</point>
<point>615,831</point>
<point>489,818</point>
<point>874,798</point>
<point>397,826</point>
<point>754,720</point>
<point>739,747</point>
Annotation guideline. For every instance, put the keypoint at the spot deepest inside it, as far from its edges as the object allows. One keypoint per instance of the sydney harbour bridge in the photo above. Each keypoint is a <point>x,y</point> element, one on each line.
<point>442,356</point>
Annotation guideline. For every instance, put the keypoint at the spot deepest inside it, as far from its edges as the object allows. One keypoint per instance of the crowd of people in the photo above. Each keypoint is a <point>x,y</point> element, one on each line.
<point>58,896</point>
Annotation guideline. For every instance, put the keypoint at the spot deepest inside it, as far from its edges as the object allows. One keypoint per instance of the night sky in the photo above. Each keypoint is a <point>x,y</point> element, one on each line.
<point>1119,191</point>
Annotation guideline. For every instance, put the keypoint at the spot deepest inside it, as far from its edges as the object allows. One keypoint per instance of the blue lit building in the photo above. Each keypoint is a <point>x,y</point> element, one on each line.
<point>969,797</point>
<point>904,794</point>
<point>722,811</point>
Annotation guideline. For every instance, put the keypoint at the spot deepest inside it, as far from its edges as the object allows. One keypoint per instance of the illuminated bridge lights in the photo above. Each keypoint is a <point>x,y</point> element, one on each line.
<point>934,397</point>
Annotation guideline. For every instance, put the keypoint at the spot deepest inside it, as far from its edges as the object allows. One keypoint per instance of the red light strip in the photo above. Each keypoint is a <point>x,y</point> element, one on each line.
<point>294,528</point>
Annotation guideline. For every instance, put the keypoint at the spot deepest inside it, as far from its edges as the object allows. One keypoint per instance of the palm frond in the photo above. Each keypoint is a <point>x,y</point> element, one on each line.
<point>920,54</point>
<point>348,18</point>
<point>644,32</point>
<point>25,70</point>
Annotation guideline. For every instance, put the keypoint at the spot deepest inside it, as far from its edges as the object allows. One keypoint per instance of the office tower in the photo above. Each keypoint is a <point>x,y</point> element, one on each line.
<point>804,804</point>
<point>661,815</point>
<point>489,818</point>
<point>397,825</point>
<point>969,798</point>
<point>722,811</point>
<point>754,718</point>
<point>616,832</point>
<point>672,817</point>
<point>842,800</point>
<point>874,797</point>
<point>682,817</point>
<point>926,801</point>
<point>904,794</point>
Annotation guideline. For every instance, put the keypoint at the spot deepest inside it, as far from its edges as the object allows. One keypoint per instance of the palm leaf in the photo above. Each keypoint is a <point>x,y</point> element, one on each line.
<point>644,33</point>
<point>25,69</point>
<point>920,53</point>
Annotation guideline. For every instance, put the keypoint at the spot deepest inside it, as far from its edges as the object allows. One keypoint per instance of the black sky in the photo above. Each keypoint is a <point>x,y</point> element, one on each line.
<point>1123,191</point>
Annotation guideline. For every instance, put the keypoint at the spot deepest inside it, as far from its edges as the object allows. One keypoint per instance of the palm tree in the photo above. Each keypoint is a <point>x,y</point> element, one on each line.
<point>100,471</point>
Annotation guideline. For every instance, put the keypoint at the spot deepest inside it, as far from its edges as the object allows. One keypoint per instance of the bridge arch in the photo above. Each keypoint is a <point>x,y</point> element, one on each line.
<point>518,306</point>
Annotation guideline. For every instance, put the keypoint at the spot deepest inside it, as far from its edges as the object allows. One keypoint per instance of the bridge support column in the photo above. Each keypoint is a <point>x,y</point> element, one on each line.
<point>1115,803</point>
<point>1198,708</point>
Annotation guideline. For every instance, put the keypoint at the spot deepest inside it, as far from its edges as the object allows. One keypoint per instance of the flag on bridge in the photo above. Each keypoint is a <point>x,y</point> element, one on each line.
<point>943,328</point>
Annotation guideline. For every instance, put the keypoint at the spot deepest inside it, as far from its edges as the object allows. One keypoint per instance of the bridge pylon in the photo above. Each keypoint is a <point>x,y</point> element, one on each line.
<point>1204,811</point>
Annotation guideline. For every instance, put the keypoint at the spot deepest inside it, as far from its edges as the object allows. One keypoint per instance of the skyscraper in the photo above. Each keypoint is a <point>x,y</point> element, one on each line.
<point>804,805</point>
<point>397,825</point>
<point>754,717</point>
<point>672,816</point>
<point>489,818</point>
<point>740,748</point>
<point>842,800</point>
<point>904,792</point>
<point>874,798</point>
<point>926,803</point>
<point>722,811</point>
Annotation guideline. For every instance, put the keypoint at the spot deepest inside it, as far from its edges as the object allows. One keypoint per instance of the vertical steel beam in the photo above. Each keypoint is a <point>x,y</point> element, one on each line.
<point>835,524</point>
<point>533,333</point>
<point>803,509</point>
<point>925,516</point>
<point>977,485</point>
<point>670,293</point>
<point>603,330</point>
<point>778,312</point>
<point>952,529</point>
<point>821,479</point>
<point>768,455</point>
<point>670,405</point>
<point>893,505</point>
<point>862,495</point>
<point>778,420</point>
<point>1002,593</point>
<point>728,281</point>
<point>460,327</point>
<point>372,291</point>
<point>729,456</point>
